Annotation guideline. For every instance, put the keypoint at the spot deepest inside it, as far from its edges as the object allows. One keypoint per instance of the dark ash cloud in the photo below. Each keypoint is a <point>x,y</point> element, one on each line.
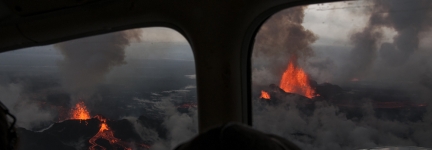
<point>408,18</point>
<point>88,60</point>
<point>281,37</point>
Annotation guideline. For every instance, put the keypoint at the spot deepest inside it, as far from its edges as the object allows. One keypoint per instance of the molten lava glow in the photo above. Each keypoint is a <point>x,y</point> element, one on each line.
<point>107,134</point>
<point>295,80</point>
<point>80,111</point>
<point>265,95</point>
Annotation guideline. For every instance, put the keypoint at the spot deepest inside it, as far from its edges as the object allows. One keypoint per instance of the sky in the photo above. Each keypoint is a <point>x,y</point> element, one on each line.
<point>334,22</point>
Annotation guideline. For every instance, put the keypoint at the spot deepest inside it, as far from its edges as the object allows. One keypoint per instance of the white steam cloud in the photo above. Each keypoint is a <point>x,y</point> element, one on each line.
<point>329,129</point>
<point>27,112</point>
<point>180,126</point>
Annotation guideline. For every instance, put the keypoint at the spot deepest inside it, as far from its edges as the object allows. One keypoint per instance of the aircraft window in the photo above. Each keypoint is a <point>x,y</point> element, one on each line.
<point>346,75</point>
<point>133,89</point>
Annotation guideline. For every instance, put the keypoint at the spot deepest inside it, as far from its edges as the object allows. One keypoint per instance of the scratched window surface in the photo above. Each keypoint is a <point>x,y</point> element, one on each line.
<point>132,89</point>
<point>346,75</point>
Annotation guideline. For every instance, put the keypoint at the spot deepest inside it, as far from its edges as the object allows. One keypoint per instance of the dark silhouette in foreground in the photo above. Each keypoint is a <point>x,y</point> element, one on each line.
<point>234,136</point>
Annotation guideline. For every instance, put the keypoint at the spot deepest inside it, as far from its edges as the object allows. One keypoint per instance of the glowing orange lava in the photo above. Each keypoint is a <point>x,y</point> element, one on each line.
<point>80,111</point>
<point>295,80</point>
<point>106,133</point>
<point>265,95</point>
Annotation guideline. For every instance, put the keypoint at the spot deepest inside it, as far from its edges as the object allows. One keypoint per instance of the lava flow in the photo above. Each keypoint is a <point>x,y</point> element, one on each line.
<point>295,80</point>
<point>265,95</point>
<point>80,112</point>
<point>106,133</point>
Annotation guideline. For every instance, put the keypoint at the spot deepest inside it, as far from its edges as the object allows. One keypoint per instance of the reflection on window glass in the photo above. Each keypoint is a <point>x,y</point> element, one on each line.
<point>133,89</point>
<point>346,75</point>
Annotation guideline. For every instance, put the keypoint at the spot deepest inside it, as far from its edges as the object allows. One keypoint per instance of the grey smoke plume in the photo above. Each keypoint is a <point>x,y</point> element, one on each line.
<point>88,60</point>
<point>329,129</point>
<point>408,18</point>
<point>28,112</point>
<point>279,38</point>
<point>180,126</point>
<point>320,69</point>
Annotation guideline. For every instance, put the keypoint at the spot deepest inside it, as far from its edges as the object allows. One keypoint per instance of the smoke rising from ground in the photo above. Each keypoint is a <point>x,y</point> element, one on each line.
<point>88,60</point>
<point>28,112</point>
<point>329,129</point>
<point>369,54</point>
<point>180,126</point>
<point>321,69</point>
<point>409,19</point>
<point>280,37</point>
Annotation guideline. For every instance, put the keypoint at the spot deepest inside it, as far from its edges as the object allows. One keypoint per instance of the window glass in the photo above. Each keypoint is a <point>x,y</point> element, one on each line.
<point>346,75</point>
<point>132,89</point>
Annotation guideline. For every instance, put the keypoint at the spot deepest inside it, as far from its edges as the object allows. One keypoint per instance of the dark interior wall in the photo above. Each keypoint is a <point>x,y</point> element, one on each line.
<point>220,33</point>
